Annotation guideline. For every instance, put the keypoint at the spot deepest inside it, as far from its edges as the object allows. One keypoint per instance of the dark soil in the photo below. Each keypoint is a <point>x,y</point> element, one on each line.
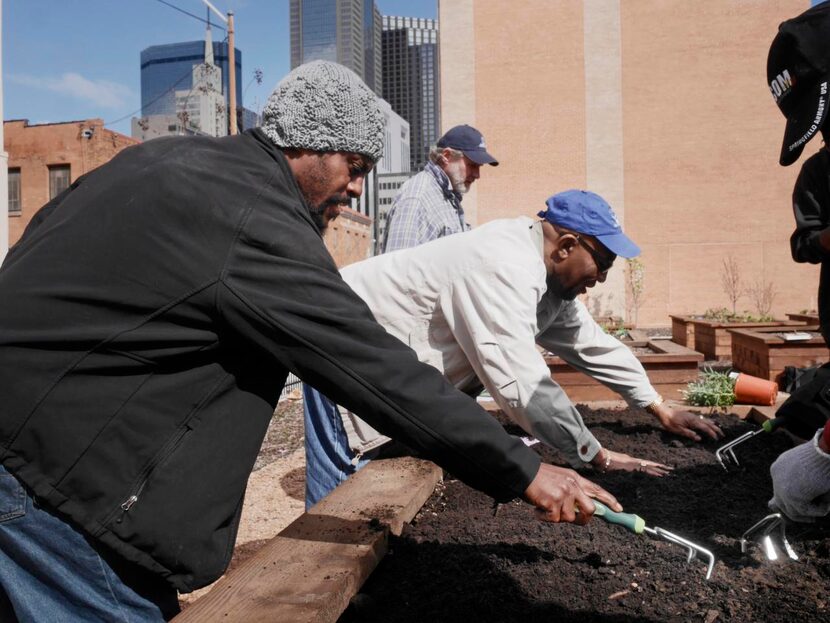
<point>463,560</point>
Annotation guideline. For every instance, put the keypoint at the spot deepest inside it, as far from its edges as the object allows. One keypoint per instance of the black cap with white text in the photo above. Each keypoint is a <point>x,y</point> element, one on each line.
<point>798,71</point>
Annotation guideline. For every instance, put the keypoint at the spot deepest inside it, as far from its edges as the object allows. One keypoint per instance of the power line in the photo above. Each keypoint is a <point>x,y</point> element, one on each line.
<point>204,21</point>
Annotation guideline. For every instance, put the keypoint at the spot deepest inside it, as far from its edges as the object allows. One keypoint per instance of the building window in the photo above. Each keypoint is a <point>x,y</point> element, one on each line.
<point>58,179</point>
<point>14,192</point>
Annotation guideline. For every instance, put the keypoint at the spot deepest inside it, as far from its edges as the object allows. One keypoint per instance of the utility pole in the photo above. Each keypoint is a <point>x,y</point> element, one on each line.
<point>231,74</point>
<point>231,64</point>
<point>4,167</point>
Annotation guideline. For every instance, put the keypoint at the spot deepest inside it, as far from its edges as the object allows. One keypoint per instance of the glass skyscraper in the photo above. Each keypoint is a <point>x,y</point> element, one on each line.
<point>410,80</point>
<point>168,68</point>
<point>344,31</point>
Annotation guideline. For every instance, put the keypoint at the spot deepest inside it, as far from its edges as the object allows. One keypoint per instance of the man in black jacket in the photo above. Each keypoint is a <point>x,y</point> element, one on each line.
<point>798,72</point>
<point>148,319</point>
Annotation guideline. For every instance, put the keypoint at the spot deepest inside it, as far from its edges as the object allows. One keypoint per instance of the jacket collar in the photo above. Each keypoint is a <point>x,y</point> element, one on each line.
<point>282,164</point>
<point>444,184</point>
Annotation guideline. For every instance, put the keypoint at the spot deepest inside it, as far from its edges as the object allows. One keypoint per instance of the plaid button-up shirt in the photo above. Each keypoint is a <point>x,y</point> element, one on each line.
<point>426,208</point>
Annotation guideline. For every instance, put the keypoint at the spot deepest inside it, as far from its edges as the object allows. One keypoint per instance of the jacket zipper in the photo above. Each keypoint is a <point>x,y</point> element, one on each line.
<point>172,446</point>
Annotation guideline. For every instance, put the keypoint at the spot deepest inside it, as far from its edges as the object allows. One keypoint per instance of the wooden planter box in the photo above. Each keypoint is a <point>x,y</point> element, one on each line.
<point>764,353</point>
<point>670,368</point>
<point>683,330</point>
<point>805,318</point>
<point>712,337</point>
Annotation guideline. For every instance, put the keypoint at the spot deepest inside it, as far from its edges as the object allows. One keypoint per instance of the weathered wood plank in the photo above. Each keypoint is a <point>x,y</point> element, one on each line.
<point>310,571</point>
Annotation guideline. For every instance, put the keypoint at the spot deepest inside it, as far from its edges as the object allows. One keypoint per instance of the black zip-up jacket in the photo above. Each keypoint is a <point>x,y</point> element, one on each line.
<point>148,319</point>
<point>811,207</point>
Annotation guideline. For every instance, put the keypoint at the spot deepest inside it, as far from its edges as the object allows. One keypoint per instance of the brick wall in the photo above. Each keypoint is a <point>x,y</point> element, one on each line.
<point>662,107</point>
<point>83,145</point>
<point>349,237</point>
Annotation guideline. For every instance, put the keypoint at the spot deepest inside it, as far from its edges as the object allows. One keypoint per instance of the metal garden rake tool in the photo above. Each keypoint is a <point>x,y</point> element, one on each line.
<point>726,453</point>
<point>637,525</point>
<point>765,528</point>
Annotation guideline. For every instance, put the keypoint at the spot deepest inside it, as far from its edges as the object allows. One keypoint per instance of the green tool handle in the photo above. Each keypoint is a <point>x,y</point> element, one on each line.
<point>773,424</point>
<point>630,521</point>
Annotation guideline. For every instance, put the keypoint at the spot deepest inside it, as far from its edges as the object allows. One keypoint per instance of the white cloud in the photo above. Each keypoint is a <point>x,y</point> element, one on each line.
<point>102,92</point>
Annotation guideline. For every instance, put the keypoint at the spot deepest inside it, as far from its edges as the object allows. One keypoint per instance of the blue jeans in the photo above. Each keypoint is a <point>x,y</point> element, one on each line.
<point>328,458</point>
<point>50,572</point>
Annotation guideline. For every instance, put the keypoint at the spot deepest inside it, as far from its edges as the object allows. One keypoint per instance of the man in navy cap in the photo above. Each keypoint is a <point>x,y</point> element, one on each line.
<point>429,204</point>
<point>475,305</point>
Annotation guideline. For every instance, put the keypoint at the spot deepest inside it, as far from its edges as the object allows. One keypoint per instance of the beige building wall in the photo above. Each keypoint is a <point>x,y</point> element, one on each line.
<point>658,105</point>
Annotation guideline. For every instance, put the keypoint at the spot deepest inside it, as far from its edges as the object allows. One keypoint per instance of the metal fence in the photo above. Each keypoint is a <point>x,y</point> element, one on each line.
<point>291,383</point>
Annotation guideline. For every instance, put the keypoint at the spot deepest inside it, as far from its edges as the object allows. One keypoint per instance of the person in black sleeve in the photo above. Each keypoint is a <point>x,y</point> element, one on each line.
<point>149,316</point>
<point>798,73</point>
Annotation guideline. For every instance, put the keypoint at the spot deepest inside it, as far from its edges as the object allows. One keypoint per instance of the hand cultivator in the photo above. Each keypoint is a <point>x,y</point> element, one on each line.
<point>766,526</point>
<point>726,455</point>
<point>637,525</point>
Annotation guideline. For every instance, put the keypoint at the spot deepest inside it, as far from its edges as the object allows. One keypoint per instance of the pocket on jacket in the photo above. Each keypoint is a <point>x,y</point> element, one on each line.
<point>12,497</point>
<point>502,377</point>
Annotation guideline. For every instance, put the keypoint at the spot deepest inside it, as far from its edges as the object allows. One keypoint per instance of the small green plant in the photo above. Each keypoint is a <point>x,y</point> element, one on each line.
<point>712,389</point>
<point>614,327</point>
<point>636,284</point>
<point>722,314</point>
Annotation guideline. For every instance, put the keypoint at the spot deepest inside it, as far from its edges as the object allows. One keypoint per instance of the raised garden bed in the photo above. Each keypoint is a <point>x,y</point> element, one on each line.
<point>683,330</point>
<point>764,351</point>
<point>670,367</point>
<point>805,317</point>
<point>712,337</point>
<point>462,560</point>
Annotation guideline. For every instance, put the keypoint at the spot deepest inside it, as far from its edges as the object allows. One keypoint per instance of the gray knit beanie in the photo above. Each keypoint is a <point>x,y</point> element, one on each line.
<point>324,106</point>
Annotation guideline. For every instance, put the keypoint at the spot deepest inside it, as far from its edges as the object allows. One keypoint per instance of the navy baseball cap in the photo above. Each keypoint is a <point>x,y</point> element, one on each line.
<point>798,73</point>
<point>468,141</point>
<point>587,213</point>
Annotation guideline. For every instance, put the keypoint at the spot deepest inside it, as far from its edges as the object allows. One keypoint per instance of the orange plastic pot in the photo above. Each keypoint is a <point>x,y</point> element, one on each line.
<point>752,390</point>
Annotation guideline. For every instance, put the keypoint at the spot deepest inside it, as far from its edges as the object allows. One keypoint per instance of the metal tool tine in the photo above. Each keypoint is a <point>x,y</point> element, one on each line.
<point>769,548</point>
<point>768,524</point>
<point>787,548</point>
<point>693,549</point>
<point>790,551</point>
<point>726,453</point>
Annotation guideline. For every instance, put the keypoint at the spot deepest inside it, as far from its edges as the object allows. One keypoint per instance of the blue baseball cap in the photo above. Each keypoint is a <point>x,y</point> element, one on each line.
<point>588,213</point>
<point>468,141</point>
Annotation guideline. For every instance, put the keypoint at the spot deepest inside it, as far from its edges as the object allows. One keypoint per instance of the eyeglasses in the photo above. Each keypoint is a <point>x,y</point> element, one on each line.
<point>605,263</point>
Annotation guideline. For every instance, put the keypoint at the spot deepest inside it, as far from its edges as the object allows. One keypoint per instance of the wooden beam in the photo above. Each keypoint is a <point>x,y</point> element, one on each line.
<point>310,571</point>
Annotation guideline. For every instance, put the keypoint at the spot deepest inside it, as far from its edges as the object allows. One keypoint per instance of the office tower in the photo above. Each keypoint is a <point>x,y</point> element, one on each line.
<point>344,31</point>
<point>197,106</point>
<point>168,68</point>
<point>410,79</point>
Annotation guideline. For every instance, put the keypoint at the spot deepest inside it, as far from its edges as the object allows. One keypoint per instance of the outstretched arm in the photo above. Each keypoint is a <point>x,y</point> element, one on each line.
<point>578,339</point>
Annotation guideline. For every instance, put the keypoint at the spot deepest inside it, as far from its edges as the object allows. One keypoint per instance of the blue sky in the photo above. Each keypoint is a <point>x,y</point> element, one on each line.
<point>76,59</point>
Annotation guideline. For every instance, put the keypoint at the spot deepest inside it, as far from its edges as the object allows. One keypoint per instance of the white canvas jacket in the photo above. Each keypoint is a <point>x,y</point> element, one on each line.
<point>475,305</point>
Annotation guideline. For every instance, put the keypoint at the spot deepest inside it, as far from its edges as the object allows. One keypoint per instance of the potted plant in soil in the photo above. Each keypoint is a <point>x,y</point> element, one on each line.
<point>724,389</point>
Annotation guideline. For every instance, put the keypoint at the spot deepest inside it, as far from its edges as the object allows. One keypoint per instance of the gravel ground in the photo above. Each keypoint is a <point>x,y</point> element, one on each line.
<point>285,433</point>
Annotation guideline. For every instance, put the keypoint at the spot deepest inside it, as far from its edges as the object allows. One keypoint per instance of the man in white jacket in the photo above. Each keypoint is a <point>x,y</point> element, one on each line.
<point>475,305</point>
